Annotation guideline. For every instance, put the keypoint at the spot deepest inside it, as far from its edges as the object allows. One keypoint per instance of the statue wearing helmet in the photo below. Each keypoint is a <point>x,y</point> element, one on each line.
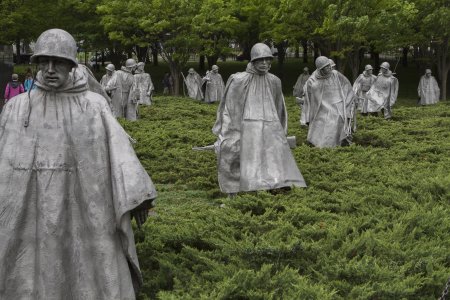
<point>361,86</point>
<point>298,87</point>
<point>252,147</point>
<point>383,92</point>
<point>110,69</point>
<point>428,89</point>
<point>214,85</point>
<point>194,83</point>
<point>328,107</point>
<point>142,89</point>
<point>69,184</point>
<point>119,86</point>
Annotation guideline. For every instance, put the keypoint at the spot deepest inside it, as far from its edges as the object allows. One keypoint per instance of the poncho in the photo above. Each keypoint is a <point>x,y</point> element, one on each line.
<point>253,152</point>
<point>383,93</point>
<point>119,86</point>
<point>68,182</point>
<point>298,87</point>
<point>214,87</point>
<point>194,86</point>
<point>328,109</point>
<point>428,90</point>
<point>142,88</point>
<point>361,86</point>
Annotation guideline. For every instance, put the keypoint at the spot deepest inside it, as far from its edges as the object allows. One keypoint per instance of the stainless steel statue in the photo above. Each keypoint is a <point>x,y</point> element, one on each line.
<point>120,86</point>
<point>328,109</point>
<point>193,83</point>
<point>301,80</point>
<point>362,85</point>
<point>69,185</point>
<point>214,85</point>
<point>383,93</point>
<point>428,89</point>
<point>143,87</point>
<point>252,149</point>
<point>110,69</point>
<point>298,87</point>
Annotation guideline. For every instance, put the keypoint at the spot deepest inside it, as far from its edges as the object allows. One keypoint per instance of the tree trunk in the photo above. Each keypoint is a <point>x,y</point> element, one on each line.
<point>305,51</point>
<point>176,75</point>
<point>405,56</point>
<point>443,65</point>
<point>18,58</point>
<point>376,59</point>
<point>212,60</point>
<point>297,51</point>
<point>281,47</point>
<point>155,55</point>
<point>201,63</point>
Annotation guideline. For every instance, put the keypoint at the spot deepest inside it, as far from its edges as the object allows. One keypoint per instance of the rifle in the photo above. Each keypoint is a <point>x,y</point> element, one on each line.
<point>292,141</point>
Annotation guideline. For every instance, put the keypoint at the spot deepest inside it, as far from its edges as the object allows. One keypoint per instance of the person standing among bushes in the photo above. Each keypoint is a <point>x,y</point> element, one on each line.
<point>362,85</point>
<point>383,93</point>
<point>328,108</point>
<point>428,89</point>
<point>13,88</point>
<point>252,149</point>
<point>70,182</point>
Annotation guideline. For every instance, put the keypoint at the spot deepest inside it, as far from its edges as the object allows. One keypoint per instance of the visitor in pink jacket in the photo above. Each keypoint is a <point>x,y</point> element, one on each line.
<point>13,88</point>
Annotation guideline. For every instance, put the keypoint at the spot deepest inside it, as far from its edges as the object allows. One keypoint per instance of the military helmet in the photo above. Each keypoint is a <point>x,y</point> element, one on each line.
<point>140,64</point>
<point>130,63</point>
<point>55,43</point>
<point>191,70</point>
<point>368,67</point>
<point>385,65</point>
<point>110,67</point>
<point>332,63</point>
<point>305,69</point>
<point>214,67</point>
<point>260,50</point>
<point>322,62</point>
<point>428,71</point>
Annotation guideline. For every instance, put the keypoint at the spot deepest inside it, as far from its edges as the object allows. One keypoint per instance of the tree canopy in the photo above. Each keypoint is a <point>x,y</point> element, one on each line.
<point>342,29</point>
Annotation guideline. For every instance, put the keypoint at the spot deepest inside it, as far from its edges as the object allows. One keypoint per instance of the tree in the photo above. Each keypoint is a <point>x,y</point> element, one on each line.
<point>435,25</point>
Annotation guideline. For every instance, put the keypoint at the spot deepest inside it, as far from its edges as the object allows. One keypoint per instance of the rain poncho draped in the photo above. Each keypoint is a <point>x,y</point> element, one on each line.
<point>428,90</point>
<point>68,182</point>
<point>214,87</point>
<point>361,86</point>
<point>119,86</point>
<point>328,109</point>
<point>298,87</point>
<point>194,86</point>
<point>253,152</point>
<point>142,88</point>
<point>383,93</point>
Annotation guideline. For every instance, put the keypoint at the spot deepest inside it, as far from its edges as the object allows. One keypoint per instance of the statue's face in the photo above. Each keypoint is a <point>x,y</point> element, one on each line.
<point>55,71</point>
<point>383,70</point>
<point>215,71</point>
<point>369,72</point>
<point>109,72</point>
<point>326,70</point>
<point>428,74</point>
<point>141,68</point>
<point>262,65</point>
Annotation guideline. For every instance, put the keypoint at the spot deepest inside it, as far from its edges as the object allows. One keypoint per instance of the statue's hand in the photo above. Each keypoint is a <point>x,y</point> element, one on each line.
<point>140,213</point>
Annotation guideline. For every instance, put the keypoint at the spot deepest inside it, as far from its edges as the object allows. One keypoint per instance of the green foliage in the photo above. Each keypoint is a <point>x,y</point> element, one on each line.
<point>372,224</point>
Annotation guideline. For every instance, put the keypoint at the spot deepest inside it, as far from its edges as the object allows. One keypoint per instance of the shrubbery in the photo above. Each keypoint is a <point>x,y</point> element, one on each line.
<point>372,224</point>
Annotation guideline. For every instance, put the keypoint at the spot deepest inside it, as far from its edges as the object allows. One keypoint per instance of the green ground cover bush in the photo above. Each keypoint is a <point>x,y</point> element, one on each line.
<point>372,224</point>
